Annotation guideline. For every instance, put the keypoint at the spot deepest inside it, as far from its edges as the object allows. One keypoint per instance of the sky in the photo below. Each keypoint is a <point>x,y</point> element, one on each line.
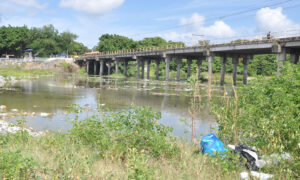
<point>176,20</point>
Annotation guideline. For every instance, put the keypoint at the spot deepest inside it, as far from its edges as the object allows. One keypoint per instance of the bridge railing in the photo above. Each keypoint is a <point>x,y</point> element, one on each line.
<point>250,39</point>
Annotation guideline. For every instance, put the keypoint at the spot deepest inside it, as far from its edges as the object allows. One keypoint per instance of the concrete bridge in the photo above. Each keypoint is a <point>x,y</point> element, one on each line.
<point>101,63</point>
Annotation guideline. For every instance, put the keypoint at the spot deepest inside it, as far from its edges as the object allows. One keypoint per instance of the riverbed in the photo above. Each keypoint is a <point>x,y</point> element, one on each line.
<point>44,101</point>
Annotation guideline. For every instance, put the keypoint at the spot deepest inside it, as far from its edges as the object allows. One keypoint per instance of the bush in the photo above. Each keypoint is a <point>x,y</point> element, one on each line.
<point>265,114</point>
<point>116,133</point>
<point>14,166</point>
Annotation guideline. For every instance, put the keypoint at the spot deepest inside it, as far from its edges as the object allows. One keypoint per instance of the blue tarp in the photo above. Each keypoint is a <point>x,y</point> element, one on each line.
<point>211,143</point>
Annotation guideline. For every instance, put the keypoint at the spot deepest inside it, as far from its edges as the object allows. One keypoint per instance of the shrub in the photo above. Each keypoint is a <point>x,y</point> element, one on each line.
<point>115,133</point>
<point>265,114</point>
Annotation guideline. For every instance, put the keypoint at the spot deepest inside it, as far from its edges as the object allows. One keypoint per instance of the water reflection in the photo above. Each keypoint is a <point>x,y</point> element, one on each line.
<point>52,95</point>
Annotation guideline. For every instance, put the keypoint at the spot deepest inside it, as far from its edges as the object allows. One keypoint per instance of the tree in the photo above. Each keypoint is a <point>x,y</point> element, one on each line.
<point>115,42</point>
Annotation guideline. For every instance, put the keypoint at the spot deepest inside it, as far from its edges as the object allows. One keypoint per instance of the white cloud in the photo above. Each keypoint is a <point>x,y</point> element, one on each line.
<point>92,6</point>
<point>29,3</point>
<point>274,20</point>
<point>218,29</point>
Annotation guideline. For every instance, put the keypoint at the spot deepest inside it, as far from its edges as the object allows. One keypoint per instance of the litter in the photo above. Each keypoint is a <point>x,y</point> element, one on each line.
<point>211,143</point>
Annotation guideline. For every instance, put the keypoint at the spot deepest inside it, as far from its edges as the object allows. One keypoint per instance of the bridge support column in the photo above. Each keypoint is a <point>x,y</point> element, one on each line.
<point>245,72</point>
<point>235,61</point>
<point>179,61</point>
<point>109,67</point>
<point>95,68</point>
<point>137,68</point>
<point>157,61</point>
<point>148,68</point>
<point>189,62</point>
<point>167,60</point>
<point>101,68</point>
<point>294,58</point>
<point>281,57</point>
<point>87,67</point>
<point>125,67</point>
<point>199,63</point>
<point>143,69</point>
<point>223,70</point>
<point>210,67</point>
<point>117,66</point>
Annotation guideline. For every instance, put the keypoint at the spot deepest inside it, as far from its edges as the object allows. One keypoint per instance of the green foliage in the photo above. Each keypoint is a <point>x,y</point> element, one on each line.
<point>115,42</point>
<point>116,133</point>
<point>20,72</point>
<point>44,41</point>
<point>14,166</point>
<point>265,114</point>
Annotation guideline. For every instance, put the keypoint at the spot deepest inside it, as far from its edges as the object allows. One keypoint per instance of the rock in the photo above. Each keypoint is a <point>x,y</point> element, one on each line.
<point>45,114</point>
<point>3,108</point>
<point>261,176</point>
<point>14,110</point>
<point>6,127</point>
<point>244,175</point>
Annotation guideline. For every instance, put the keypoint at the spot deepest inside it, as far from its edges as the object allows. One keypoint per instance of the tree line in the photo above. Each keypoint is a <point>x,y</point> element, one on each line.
<point>44,41</point>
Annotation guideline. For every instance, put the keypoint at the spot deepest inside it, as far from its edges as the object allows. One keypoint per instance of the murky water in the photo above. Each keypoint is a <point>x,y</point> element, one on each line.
<point>52,95</point>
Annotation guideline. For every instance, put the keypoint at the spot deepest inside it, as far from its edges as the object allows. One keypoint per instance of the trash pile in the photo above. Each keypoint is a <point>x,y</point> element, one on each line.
<point>211,144</point>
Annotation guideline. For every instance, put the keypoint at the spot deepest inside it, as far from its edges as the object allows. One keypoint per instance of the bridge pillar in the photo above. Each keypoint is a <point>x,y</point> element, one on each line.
<point>167,60</point>
<point>223,70</point>
<point>245,72</point>
<point>210,67</point>
<point>199,63</point>
<point>157,61</point>
<point>148,68</point>
<point>294,58</point>
<point>235,61</point>
<point>125,67</point>
<point>189,62</point>
<point>95,68</point>
<point>143,69</point>
<point>101,68</point>
<point>109,67</point>
<point>281,57</point>
<point>179,61</point>
<point>87,67</point>
<point>138,68</point>
<point>117,66</point>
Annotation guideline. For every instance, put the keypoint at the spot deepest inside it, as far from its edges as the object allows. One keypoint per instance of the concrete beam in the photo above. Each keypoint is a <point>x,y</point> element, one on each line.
<point>223,70</point>
<point>245,71</point>
<point>199,63</point>
<point>148,68</point>
<point>157,62</point>
<point>109,67</point>
<point>179,62</point>
<point>117,66</point>
<point>143,68</point>
<point>189,62</point>
<point>125,67</point>
<point>281,57</point>
<point>95,68</point>
<point>210,67</point>
<point>101,67</point>
<point>235,61</point>
<point>87,67</point>
<point>294,58</point>
<point>167,61</point>
<point>138,68</point>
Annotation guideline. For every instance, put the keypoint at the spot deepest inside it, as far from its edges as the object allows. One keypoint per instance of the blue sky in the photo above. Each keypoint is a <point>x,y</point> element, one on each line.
<point>218,20</point>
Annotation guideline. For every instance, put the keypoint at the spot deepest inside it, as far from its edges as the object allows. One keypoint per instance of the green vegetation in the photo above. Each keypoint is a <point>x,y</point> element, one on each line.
<point>20,72</point>
<point>266,115</point>
<point>44,41</point>
<point>130,144</point>
<point>108,42</point>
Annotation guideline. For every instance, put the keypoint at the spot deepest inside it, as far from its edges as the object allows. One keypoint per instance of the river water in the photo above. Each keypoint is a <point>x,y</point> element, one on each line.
<point>51,96</point>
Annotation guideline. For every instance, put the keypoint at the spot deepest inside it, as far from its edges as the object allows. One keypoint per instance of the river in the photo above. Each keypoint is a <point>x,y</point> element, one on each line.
<point>46,100</point>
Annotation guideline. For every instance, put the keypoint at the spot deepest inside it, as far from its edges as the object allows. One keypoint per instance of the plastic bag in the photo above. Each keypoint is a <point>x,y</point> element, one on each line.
<point>211,143</point>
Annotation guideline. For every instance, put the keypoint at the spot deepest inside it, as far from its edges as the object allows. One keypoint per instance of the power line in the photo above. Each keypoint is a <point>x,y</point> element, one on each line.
<point>218,17</point>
